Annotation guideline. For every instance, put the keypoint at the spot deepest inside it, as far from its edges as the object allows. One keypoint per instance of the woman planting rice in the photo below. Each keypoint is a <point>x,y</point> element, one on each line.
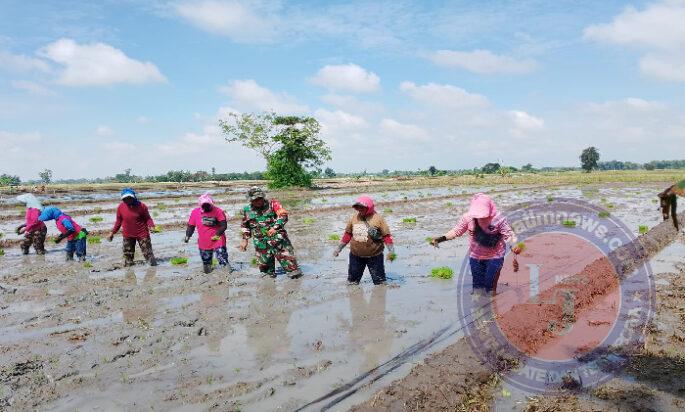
<point>69,229</point>
<point>34,230</point>
<point>489,232</point>
<point>669,203</point>
<point>210,222</point>
<point>369,235</point>
<point>134,218</point>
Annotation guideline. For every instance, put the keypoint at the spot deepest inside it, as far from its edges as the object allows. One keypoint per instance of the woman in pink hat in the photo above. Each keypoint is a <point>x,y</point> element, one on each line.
<point>489,233</point>
<point>210,222</point>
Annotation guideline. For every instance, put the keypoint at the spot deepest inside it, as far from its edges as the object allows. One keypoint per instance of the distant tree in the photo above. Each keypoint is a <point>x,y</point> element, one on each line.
<point>432,170</point>
<point>124,177</point>
<point>490,168</point>
<point>45,176</point>
<point>329,172</point>
<point>213,171</point>
<point>9,180</point>
<point>527,167</point>
<point>589,158</point>
<point>649,166</point>
<point>385,172</point>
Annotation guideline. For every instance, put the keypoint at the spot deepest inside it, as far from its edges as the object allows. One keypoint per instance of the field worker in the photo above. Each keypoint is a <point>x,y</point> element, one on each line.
<point>210,222</point>
<point>133,217</point>
<point>669,202</point>
<point>489,232</point>
<point>34,230</point>
<point>264,221</point>
<point>69,229</point>
<point>370,235</point>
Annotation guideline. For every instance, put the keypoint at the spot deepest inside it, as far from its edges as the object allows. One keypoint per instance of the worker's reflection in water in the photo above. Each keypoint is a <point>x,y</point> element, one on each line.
<point>141,309</point>
<point>369,331</point>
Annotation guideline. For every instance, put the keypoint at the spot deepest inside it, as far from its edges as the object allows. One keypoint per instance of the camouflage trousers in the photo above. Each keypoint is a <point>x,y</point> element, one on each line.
<point>129,248</point>
<point>283,252</point>
<point>35,238</point>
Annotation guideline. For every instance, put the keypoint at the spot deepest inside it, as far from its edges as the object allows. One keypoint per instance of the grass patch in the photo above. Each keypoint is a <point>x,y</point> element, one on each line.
<point>604,214</point>
<point>96,219</point>
<point>334,236</point>
<point>643,229</point>
<point>94,240</point>
<point>569,223</point>
<point>387,210</point>
<point>409,220</point>
<point>442,273</point>
<point>308,220</point>
<point>178,260</point>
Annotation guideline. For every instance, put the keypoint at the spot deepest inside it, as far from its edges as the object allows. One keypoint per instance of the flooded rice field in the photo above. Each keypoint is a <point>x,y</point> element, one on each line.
<point>77,336</point>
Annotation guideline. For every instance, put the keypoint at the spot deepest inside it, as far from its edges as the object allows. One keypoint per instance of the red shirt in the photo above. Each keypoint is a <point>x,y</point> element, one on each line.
<point>135,220</point>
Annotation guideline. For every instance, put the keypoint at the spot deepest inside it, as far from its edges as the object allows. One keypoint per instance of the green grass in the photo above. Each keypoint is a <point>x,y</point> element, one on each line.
<point>308,220</point>
<point>442,272</point>
<point>409,220</point>
<point>387,210</point>
<point>96,219</point>
<point>94,240</point>
<point>178,260</point>
<point>604,214</point>
<point>334,236</point>
<point>643,229</point>
<point>569,223</point>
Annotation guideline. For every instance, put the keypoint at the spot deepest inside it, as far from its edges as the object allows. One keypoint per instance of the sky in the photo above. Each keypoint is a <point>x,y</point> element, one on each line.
<point>90,88</point>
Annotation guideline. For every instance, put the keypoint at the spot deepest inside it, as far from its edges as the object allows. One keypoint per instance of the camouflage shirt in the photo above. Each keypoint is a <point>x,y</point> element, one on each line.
<point>256,223</point>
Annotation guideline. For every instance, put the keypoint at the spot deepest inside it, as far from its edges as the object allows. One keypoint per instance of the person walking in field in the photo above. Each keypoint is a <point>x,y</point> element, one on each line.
<point>76,235</point>
<point>264,221</point>
<point>133,217</point>
<point>34,230</point>
<point>369,235</point>
<point>489,233</point>
<point>211,224</point>
<point>668,202</point>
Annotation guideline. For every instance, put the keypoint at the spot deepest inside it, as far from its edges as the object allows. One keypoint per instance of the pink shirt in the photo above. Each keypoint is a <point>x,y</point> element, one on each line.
<point>32,222</point>
<point>476,250</point>
<point>204,232</point>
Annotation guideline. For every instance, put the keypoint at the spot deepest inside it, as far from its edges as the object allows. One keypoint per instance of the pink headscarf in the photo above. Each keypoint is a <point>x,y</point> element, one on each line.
<point>482,207</point>
<point>367,202</point>
<point>205,199</point>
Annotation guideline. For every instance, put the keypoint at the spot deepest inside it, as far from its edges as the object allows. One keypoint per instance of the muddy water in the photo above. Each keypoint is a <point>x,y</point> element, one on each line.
<point>118,338</point>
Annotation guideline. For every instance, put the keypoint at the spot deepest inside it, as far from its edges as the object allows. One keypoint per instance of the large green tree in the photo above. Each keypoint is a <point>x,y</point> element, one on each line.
<point>289,144</point>
<point>589,159</point>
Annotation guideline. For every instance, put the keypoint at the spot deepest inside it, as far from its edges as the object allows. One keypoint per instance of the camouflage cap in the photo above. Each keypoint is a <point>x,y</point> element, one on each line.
<point>255,193</point>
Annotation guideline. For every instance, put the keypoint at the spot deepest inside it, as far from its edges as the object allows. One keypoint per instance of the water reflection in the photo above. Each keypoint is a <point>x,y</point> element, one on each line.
<point>369,330</point>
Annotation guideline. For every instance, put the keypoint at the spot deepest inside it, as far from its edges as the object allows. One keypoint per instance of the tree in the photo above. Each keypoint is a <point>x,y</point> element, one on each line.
<point>589,159</point>
<point>432,170</point>
<point>329,172</point>
<point>527,167</point>
<point>9,180</point>
<point>45,176</point>
<point>490,168</point>
<point>289,144</point>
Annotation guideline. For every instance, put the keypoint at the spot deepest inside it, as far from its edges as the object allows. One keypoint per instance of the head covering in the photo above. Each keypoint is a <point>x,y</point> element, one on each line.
<point>205,199</point>
<point>128,192</point>
<point>50,213</point>
<point>482,206</point>
<point>367,202</point>
<point>30,200</point>
<point>255,193</point>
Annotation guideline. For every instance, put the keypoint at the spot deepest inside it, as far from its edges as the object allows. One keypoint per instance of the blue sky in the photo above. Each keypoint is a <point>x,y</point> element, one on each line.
<point>91,88</point>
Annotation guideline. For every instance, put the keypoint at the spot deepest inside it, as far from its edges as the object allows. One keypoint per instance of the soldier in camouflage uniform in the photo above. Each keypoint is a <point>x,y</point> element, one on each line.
<point>264,221</point>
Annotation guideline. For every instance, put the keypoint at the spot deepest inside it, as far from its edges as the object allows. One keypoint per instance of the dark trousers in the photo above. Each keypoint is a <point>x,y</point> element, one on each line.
<point>357,264</point>
<point>221,256</point>
<point>485,272</point>
<point>78,246</point>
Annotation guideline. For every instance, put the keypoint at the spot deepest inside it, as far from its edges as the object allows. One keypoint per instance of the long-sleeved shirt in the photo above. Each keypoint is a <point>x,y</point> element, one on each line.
<point>32,222</point>
<point>135,221</point>
<point>499,224</point>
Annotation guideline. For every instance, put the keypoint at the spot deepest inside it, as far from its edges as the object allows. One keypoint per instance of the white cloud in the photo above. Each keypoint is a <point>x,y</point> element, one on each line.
<point>104,130</point>
<point>525,121</point>
<point>632,104</point>
<point>236,20</point>
<point>482,62</point>
<point>98,64</point>
<point>658,30</point>
<point>347,77</point>
<point>32,87</point>
<point>21,63</point>
<point>142,120</point>
<point>352,104</point>
<point>339,120</point>
<point>444,95</point>
<point>249,95</point>
<point>395,130</point>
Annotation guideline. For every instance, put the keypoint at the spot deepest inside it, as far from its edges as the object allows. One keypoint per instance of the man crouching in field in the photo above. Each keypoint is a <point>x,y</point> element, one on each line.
<point>264,221</point>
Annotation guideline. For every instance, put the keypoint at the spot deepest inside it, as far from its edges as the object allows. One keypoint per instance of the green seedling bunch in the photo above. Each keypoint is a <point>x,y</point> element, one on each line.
<point>87,265</point>
<point>392,256</point>
<point>157,229</point>
<point>569,223</point>
<point>2,252</point>
<point>449,204</point>
<point>254,262</point>
<point>334,236</point>
<point>178,260</point>
<point>94,240</point>
<point>521,246</point>
<point>442,272</point>
<point>161,206</point>
<point>96,219</point>
<point>409,220</point>
<point>642,229</point>
<point>604,214</point>
<point>387,210</point>
<point>550,198</point>
<point>308,220</point>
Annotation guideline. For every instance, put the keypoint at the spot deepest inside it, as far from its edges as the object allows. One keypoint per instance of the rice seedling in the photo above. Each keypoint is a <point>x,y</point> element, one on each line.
<point>642,229</point>
<point>449,204</point>
<point>550,198</point>
<point>2,252</point>
<point>156,229</point>
<point>324,200</point>
<point>1,235</point>
<point>87,265</point>
<point>409,220</point>
<point>603,214</point>
<point>178,260</point>
<point>442,272</point>
<point>97,209</point>
<point>94,240</point>
<point>308,220</point>
<point>96,219</point>
<point>387,210</point>
<point>429,240</point>
<point>405,198</point>
<point>161,206</point>
<point>334,236</point>
<point>610,205</point>
<point>521,246</point>
<point>569,223</point>
<point>155,213</point>
<point>392,257</point>
<point>254,262</point>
